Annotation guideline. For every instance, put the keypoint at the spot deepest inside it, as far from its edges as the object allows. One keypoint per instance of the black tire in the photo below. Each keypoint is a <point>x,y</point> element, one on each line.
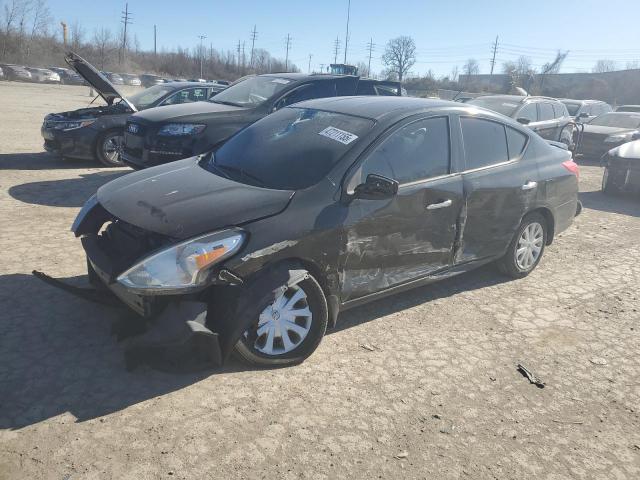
<point>509,264</point>
<point>609,185</point>
<point>246,350</point>
<point>106,141</point>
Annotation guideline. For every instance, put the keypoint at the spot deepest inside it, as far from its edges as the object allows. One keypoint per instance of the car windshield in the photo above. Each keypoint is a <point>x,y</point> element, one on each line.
<point>573,108</point>
<point>252,91</point>
<point>616,120</point>
<point>504,106</point>
<point>150,96</point>
<point>291,149</point>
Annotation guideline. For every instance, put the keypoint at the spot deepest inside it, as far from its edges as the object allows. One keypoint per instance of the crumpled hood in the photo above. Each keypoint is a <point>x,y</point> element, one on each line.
<point>181,200</point>
<point>629,150</point>
<point>196,111</point>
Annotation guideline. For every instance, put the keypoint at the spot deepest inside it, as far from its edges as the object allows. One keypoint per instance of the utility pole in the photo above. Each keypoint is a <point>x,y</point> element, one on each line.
<point>244,58</point>
<point>155,43</point>
<point>286,61</point>
<point>322,68</point>
<point>238,58</point>
<point>310,55</point>
<point>370,47</point>
<point>336,49</point>
<point>493,60</point>
<point>254,34</point>
<point>126,20</point>
<point>346,37</point>
<point>201,37</point>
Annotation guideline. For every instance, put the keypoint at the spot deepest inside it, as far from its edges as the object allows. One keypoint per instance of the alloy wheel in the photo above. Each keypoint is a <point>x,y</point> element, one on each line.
<point>530,246</point>
<point>112,148</point>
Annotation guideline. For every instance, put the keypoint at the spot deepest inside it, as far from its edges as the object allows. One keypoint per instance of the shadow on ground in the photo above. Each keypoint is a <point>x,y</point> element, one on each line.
<point>41,161</point>
<point>57,354</point>
<point>69,192</point>
<point>624,204</point>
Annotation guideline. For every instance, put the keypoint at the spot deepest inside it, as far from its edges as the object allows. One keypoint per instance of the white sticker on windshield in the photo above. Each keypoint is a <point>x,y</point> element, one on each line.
<point>338,135</point>
<point>514,105</point>
<point>283,81</point>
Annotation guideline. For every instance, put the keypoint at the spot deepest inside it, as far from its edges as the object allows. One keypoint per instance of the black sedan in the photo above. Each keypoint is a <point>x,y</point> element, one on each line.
<point>320,207</point>
<point>155,136</point>
<point>97,132</point>
<point>608,131</point>
<point>622,169</point>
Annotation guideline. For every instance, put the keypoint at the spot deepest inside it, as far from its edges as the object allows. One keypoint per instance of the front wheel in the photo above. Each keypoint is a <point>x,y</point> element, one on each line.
<point>109,148</point>
<point>287,327</point>
<point>526,247</point>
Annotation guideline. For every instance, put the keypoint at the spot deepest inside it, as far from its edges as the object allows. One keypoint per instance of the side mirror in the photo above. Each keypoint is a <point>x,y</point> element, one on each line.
<point>376,187</point>
<point>583,115</point>
<point>523,121</point>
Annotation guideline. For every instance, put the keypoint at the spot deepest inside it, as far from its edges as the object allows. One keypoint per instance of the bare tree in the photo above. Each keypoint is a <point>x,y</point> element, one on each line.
<point>453,76</point>
<point>41,17</point>
<point>633,65</point>
<point>103,43</point>
<point>399,56</point>
<point>554,66</point>
<point>77,35</point>
<point>363,69</point>
<point>471,67</point>
<point>605,65</point>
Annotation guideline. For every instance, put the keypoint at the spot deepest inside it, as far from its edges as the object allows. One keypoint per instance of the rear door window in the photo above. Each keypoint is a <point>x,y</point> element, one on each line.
<point>485,142</point>
<point>516,142</point>
<point>319,89</point>
<point>530,112</point>
<point>546,111</point>
<point>417,151</point>
<point>558,110</point>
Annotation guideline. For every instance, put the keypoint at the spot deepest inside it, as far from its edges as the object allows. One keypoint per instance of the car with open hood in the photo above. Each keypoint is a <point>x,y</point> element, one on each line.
<point>546,116</point>
<point>608,131</point>
<point>622,169</point>
<point>96,132</point>
<point>319,207</point>
<point>155,136</point>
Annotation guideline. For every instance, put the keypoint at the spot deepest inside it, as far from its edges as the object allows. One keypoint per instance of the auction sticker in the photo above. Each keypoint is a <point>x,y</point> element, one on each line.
<point>283,81</point>
<point>338,135</point>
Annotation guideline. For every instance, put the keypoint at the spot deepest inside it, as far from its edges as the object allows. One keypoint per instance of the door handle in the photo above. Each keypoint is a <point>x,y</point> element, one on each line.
<point>529,185</point>
<point>436,206</point>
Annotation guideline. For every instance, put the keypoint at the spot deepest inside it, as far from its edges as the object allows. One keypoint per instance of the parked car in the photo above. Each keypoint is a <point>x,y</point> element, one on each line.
<point>68,77</point>
<point>15,73</point>
<point>608,131</point>
<point>583,111</point>
<point>222,82</point>
<point>622,169</point>
<point>114,78</point>
<point>628,108</point>
<point>546,116</point>
<point>43,75</point>
<point>97,132</point>
<point>2,77</point>
<point>322,206</point>
<point>151,80</point>
<point>160,136</point>
<point>131,79</point>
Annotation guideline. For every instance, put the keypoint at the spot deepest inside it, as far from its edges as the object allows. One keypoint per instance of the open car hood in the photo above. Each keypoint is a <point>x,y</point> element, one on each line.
<point>104,87</point>
<point>181,199</point>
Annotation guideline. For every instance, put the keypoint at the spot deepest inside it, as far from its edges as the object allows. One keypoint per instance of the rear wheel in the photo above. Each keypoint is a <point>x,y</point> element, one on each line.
<point>109,147</point>
<point>609,185</point>
<point>526,247</point>
<point>288,326</point>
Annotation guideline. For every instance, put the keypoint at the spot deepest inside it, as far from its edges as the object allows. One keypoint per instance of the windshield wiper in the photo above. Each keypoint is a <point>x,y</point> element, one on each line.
<point>232,168</point>
<point>224,102</point>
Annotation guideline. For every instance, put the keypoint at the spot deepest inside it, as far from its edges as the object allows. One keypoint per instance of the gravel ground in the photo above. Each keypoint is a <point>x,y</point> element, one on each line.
<point>435,395</point>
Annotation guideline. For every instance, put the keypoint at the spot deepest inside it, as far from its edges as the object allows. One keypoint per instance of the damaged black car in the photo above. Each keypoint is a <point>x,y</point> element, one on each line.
<point>622,169</point>
<point>96,132</point>
<point>320,207</point>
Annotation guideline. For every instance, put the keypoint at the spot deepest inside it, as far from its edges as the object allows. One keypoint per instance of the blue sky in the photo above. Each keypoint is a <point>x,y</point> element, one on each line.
<point>446,33</point>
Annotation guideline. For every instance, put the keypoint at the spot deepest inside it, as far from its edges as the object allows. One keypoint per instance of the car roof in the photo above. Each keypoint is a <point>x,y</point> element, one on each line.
<point>299,77</point>
<point>634,106</point>
<point>625,114</point>
<point>376,108</point>
<point>573,100</point>
<point>518,98</point>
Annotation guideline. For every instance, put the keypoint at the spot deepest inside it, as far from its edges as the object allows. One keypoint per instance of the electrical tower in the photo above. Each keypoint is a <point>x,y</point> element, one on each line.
<point>286,61</point>
<point>201,37</point>
<point>370,46</point>
<point>126,20</point>
<point>493,59</point>
<point>336,49</point>
<point>254,34</point>
<point>346,36</point>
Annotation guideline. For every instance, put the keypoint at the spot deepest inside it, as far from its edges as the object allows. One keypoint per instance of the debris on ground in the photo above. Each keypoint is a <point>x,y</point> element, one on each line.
<point>598,361</point>
<point>530,376</point>
<point>366,346</point>
<point>401,455</point>
<point>569,422</point>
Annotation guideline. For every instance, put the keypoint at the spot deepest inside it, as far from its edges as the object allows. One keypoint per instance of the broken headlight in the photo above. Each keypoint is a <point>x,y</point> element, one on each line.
<point>184,265</point>
<point>180,129</point>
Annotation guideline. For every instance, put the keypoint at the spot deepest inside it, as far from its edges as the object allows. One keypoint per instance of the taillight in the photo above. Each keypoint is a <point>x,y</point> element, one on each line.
<point>572,167</point>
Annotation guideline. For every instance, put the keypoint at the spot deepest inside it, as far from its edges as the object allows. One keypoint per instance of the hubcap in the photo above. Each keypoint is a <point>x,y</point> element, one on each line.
<point>283,325</point>
<point>529,246</point>
<point>112,148</point>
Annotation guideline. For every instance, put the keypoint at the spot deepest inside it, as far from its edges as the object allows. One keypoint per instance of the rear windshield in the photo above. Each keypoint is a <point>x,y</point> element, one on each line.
<point>572,107</point>
<point>501,105</point>
<point>149,96</point>
<point>291,149</point>
<point>616,120</point>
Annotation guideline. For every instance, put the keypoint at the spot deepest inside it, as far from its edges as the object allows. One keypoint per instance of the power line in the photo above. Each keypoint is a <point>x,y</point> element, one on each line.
<point>370,47</point>
<point>286,61</point>
<point>126,20</point>
<point>254,34</point>
<point>336,49</point>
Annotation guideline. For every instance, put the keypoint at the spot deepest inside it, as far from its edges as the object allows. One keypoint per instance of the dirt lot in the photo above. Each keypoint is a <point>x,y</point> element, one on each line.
<point>440,385</point>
